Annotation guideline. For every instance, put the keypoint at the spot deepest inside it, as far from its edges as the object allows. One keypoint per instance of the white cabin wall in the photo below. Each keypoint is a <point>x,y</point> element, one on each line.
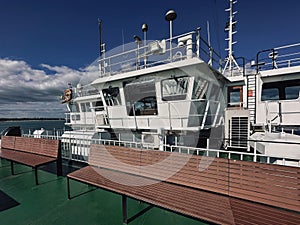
<point>260,109</point>
<point>245,96</point>
<point>269,110</point>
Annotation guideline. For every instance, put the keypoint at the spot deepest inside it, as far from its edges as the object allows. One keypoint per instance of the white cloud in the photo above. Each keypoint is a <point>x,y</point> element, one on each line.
<point>29,92</point>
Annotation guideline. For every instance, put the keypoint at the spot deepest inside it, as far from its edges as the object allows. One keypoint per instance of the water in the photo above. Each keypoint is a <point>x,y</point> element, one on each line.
<point>28,126</point>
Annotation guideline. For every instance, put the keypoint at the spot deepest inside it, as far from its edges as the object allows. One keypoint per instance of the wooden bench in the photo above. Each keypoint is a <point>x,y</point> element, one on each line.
<point>195,186</point>
<point>33,152</point>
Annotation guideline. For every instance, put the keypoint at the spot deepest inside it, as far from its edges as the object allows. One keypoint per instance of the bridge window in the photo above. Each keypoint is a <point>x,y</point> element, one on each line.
<point>98,106</point>
<point>74,107</point>
<point>140,98</point>
<point>174,88</point>
<point>112,96</point>
<point>75,117</point>
<point>85,107</point>
<point>145,106</point>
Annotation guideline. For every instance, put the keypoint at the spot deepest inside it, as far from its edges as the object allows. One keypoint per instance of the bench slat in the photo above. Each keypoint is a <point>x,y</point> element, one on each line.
<point>39,146</point>
<point>195,203</point>
<point>172,167</point>
<point>27,158</point>
<point>236,178</point>
<point>8,142</point>
<point>199,204</point>
<point>32,152</point>
<point>174,176</point>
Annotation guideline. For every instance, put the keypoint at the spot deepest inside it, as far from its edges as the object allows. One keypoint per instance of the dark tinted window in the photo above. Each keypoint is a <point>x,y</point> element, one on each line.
<point>292,92</point>
<point>235,96</point>
<point>282,90</point>
<point>270,94</point>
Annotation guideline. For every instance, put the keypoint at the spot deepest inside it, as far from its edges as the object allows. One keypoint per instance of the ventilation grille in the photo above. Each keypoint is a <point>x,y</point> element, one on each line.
<point>239,131</point>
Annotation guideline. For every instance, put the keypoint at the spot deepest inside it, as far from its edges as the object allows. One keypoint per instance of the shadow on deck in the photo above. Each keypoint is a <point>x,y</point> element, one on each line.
<point>24,203</point>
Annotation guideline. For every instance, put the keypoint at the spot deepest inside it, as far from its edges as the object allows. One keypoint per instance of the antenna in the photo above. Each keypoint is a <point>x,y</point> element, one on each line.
<point>123,42</point>
<point>100,35</point>
<point>210,49</point>
<point>102,50</point>
<point>170,16</point>
<point>231,63</point>
<point>145,29</point>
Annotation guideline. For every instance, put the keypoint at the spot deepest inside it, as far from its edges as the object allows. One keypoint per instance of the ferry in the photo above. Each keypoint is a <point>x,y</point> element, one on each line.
<point>177,93</point>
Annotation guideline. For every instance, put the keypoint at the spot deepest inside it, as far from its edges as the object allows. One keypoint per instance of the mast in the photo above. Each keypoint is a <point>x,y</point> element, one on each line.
<point>100,36</point>
<point>231,63</point>
<point>102,48</point>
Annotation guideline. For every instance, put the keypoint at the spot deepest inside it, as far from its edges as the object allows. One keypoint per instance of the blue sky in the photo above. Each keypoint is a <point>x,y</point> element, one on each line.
<point>45,44</point>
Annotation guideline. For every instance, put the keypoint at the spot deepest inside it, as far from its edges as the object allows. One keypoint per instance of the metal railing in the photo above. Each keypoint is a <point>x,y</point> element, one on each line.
<point>133,56</point>
<point>280,57</point>
<point>78,150</point>
<point>210,116</point>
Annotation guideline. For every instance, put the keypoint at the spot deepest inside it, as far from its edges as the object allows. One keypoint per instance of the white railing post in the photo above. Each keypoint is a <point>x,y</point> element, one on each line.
<point>255,151</point>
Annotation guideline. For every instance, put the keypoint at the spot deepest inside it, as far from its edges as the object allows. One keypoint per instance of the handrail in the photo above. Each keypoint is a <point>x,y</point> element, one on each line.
<point>279,57</point>
<point>138,52</point>
<point>74,144</point>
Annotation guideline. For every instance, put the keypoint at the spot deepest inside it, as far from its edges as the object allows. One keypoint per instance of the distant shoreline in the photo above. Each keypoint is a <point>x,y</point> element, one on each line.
<point>19,119</point>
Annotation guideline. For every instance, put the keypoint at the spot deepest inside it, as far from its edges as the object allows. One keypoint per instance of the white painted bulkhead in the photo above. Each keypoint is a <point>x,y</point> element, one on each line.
<point>171,114</point>
<point>278,111</point>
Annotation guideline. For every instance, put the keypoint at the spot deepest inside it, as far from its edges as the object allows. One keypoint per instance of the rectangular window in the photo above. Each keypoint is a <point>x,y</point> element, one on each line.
<point>292,92</point>
<point>281,90</point>
<point>235,96</point>
<point>112,96</point>
<point>140,98</point>
<point>83,108</point>
<point>270,94</point>
<point>88,107</point>
<point>75,117</point>
<point>174,88</point>
<point>200,88</point>
<point>74,107</point>
<point>98,106</point>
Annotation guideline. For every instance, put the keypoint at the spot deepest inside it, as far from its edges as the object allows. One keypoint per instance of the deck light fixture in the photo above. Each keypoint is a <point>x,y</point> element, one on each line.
<point>138,40</point>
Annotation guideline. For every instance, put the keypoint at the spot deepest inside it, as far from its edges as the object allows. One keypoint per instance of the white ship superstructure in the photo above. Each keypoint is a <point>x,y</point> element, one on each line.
<point>177,91</point>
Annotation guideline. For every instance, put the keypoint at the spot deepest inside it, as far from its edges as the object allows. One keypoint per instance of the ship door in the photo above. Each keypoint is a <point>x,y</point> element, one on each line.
<point>235,96</point>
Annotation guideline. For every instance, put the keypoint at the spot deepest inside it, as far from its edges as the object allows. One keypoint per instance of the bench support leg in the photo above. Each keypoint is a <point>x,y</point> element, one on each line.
<point>59,161</point>
<point>124,209</point>
<point>59,167</point>
<point>36,176</point>
<point>68,187</point>
<point>12,167</point>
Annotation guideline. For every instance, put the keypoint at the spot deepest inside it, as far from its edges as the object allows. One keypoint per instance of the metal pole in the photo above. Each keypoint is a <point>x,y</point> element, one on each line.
<point>171,37</point>
<point>198,41</point>
<point>255,151</point>
<point>145,44</point>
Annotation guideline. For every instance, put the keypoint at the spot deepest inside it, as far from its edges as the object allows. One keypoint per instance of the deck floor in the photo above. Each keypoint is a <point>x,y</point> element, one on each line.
<point>24,203</point>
